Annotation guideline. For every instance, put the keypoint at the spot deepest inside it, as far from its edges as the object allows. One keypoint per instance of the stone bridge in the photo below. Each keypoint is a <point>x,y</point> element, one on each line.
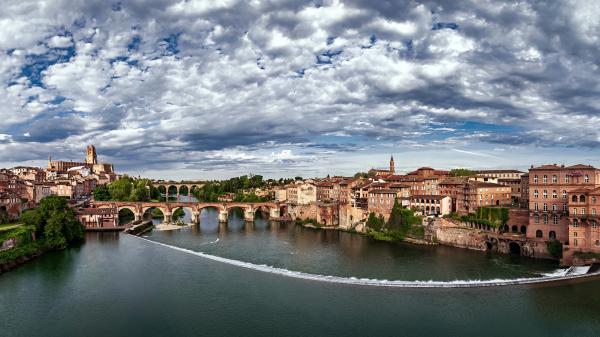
<point>164,187</point>
<point>276,211</point>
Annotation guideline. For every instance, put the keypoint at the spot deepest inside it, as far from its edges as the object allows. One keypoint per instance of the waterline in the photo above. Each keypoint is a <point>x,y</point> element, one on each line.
<point>558,275</point>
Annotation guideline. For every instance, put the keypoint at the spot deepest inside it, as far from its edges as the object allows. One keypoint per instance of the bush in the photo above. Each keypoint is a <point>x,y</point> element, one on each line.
<point>375,222</point>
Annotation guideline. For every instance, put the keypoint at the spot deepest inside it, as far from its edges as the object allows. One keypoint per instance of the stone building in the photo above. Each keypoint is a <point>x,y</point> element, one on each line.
<point>476,194</point>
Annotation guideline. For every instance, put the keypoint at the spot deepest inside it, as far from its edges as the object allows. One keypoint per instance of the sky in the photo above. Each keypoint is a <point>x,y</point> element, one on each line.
<point>215,89</point>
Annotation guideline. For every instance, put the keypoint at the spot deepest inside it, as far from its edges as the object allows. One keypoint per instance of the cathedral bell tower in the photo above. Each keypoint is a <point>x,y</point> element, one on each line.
<point>392,171</point>
<point>90,155</point>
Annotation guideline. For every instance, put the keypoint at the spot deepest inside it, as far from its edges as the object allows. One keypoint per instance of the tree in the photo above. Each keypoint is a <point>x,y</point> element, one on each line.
<point>364,175</point>
<point>101,193</point>
<point>374,222</point>
<point>55,222</point>
<point>120,189</point>
<point>461,172</point>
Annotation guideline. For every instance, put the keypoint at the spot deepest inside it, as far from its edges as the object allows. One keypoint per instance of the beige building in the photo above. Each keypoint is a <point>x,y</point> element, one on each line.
<point>436,205</point>
<point>301,194</point>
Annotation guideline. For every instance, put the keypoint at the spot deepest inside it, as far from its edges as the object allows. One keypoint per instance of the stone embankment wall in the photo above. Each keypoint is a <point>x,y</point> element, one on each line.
<point>448,233</point>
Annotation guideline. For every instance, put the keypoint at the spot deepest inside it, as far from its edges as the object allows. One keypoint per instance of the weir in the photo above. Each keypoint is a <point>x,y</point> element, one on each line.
<point>558,276</point>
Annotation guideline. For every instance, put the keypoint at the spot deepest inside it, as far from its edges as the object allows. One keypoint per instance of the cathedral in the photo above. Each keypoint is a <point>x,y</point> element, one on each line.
<point>383,172</point>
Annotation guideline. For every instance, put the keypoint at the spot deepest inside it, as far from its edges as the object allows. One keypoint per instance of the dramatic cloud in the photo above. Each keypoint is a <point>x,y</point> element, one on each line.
<point>216,88</point>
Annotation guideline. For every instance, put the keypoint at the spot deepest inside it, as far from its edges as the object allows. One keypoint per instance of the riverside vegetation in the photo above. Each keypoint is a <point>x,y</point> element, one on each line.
<point>402,224</point>
<point>52,226</point>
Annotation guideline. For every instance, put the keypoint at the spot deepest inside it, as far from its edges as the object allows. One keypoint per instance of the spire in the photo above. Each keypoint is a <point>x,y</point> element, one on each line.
<point>392,171</point>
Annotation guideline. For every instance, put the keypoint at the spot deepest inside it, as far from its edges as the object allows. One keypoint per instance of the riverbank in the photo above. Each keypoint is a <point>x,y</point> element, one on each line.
<point>376,235</point>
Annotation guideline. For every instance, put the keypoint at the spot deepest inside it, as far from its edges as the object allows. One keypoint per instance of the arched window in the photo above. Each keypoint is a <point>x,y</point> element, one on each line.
<point>574,198</point>
<point>545,179</point>
<point>552,235</point>
<point>515,228</point>
<point>539,234</point>
<point>523,229</point>
<point>535,179</point>
<point>582,198</point>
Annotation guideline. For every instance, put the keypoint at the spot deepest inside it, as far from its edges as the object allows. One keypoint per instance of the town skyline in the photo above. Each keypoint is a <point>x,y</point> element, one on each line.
<point>298,89</point>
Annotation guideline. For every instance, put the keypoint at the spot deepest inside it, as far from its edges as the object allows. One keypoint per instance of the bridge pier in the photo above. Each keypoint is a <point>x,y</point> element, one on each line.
<point>273,214</point>
<point>223,216</point>
<point>167,218</point>
<point>196,217</point>
<point>249,215</point>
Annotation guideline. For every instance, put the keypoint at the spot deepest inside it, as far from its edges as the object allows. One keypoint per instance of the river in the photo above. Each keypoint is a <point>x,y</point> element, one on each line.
<point>120,285</point>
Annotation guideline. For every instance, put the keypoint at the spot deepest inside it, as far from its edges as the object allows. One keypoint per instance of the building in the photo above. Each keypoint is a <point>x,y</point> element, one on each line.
<point>436,205</point>
<point>98,217</point>
<point>384,172</point>
<point>57,167</point>
<point>302,193</point>
<point>500,174</point>
<point>476,194</point>
<point>381,201</point>
<point>552,190</point>
<point>584,211</point>
<point>281,194</point>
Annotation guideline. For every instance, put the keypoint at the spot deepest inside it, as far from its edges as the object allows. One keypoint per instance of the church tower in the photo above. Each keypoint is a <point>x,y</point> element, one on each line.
<point>90,156</point>
<point>392,171</point>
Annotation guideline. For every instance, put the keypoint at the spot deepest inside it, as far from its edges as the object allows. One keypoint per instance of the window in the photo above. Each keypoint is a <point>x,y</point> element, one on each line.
<point>545,179</point>
<point>564,194</point>
<point>567,178</point>
<point>554,195</point>
<point>535,206</point>
<point>552,235</point>
<point>575,242</point>
<point>574,198</point>
<point>574,211</point>
<point>586,178</point>
<point>545,219</point>
<point>545,194</point>
<point>539,234</point>
<point>536,218</point>
<point>545,207</point>
<point>535,194</point>
<point>597,242</point>
<point>564,207</point>
<point>574,234</point>
<point>583,211</point>
<point>555,219</point>
<point>535,179</point>
<point>594,225</point>
<point>554,207</point>
<point>593,211</point>
<point>575,223</point>
<point>593,200</point>
<point>554,179</point>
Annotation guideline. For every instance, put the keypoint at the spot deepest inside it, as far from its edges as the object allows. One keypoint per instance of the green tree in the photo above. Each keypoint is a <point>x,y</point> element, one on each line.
<point>461,172</point>
<point>55,222</point>
<point>101,193</point>
<point>375,222</point>
<point>120,189</point>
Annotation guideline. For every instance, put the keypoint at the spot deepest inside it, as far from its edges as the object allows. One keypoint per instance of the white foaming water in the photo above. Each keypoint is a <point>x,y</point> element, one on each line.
<point>559,274</point>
